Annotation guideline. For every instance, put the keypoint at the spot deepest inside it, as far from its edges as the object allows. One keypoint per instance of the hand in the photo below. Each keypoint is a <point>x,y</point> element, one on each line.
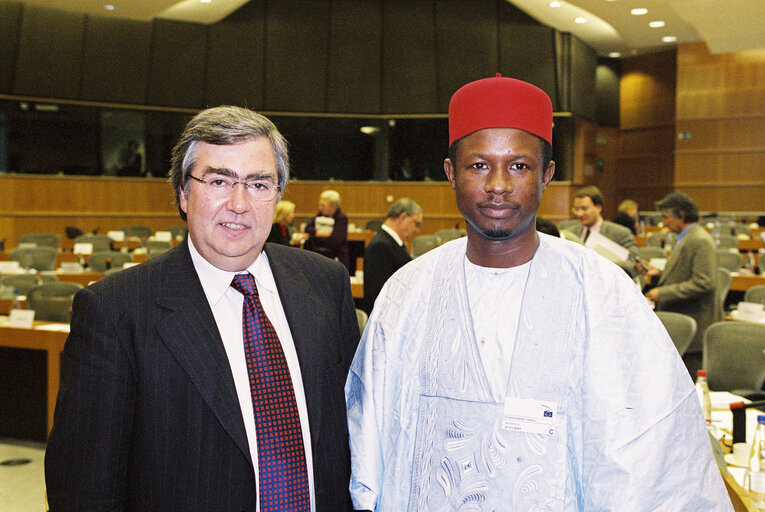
<point>652,294</point>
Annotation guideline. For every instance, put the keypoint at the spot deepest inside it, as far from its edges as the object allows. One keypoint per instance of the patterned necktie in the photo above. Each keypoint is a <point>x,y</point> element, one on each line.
<point>281,456</point>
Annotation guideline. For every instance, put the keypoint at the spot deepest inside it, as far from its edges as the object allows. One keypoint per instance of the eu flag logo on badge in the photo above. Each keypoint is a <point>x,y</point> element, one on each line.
<point>548,414</point>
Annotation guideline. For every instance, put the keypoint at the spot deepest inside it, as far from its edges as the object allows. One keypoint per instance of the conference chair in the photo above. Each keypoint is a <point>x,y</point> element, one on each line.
<point>373,225</point>
<point>755,294</point>
<point>422,244</point>
<point>38,258</point>
<point>156,247</point>
<point>53,301</point>
<point>97,260</point>
<point>445,235</point>
<point>734,357</point>
<point>41,239</point>
<point>569,235</point>
<point>361,317</point>
<point>761,262</point>
<point>681,328</point>
<point>142,232</point>
<point>568,223</point>
<point>659,239</point>
<point>649,252</point>
<point>723,286</point>
<point>178,231</point>
<point>99,242</point>
<point>730,260</point>
<point>726,242</point>
<point>22,283</point>
<point>741,229</point>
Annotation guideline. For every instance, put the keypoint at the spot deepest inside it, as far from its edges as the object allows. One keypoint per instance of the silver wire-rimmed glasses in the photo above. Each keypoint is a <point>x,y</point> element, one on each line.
<point>262,189</point>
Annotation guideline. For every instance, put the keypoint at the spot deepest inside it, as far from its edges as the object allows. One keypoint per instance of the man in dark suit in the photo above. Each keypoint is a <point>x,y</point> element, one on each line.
<point>687,284</point>
<point>387,250</point>
<point>588,207</point>
<point>155,408</point>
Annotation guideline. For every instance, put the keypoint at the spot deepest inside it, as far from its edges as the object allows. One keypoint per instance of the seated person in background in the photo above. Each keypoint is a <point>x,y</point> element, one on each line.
<point>627,215</point>
<point>387,250</point>
<point>687,284</point>
<point>588,207</point>
<point>328,230</point>
<point>547,226</point>
<point>281,229</point>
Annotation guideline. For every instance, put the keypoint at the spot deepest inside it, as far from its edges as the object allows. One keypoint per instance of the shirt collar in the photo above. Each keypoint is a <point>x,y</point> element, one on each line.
<point>684,232</point>
<point>393,233</point>
<point>215,282</point>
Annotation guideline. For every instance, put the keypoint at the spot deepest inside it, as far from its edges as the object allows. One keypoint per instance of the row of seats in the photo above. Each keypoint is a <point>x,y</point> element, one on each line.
<point>142,232</point>
<point>733,353</point>
<point>44,258</point>
<point>423,243</point>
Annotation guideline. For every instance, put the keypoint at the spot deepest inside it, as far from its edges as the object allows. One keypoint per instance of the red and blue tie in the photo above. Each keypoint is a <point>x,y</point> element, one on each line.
<point>282,469</point>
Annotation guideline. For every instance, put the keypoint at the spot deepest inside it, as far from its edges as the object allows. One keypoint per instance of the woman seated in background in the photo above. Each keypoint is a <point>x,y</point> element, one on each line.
<point>282,229</point>
<point>627,215</point>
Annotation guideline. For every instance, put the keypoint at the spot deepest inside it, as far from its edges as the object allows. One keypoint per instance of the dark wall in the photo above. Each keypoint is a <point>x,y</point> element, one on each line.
<point>327,56</point>
<point>607,77</point>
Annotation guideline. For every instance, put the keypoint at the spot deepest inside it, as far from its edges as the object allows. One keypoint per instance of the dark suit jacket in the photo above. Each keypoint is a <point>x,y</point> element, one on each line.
<point>147,416</point>
<point>688,283</point>
<point>382,257</point>
<point>618,234</point>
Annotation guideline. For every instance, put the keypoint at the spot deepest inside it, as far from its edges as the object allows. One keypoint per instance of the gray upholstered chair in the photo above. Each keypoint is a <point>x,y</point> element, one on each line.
<point>568,223</point>
<point>659,239</point>
<point>648,252</point>
<point>178,231</point>
<point>99,242</point>
<point>723,286</point>
<point>373,225</point>
<point>422,244</point>
<point>97,260</point>
<point>38,258</point>
<point>726,242</point>
<point>681,328</point>
<point>137,231</point>
<point>734,357</point>
<point>53,301</point>
<point>44,239</point>
<point>755,294</point>
<point>156,247</point>
<point>22,283</point>
<point>730,260</point>
<point>361,317</point>
<point>445,235</point>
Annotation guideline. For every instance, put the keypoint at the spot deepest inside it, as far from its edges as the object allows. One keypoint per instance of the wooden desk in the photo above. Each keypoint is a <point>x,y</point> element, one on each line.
<point>83,278</point>
<point>362,236</point>
<point>6,304</point>
<point>357,289</point>
<point>52,342</point>
<point>742,283</point>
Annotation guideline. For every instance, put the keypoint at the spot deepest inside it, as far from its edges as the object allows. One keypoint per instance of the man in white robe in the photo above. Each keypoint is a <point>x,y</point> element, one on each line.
<point>515,371</point>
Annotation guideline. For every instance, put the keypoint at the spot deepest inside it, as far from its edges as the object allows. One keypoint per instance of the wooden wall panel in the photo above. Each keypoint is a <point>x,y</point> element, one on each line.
<point>236,69</point>
<point>534,63</point>
<point>177,72</point>
<point>297,48</point>
<point>724,198</point>
<point>10,25</point>
<point>49,62</point>
<point>116,64</point>
<point>409,69</point>
<point>647,91</point>
<point>460,63</point>
<point>354,82</point>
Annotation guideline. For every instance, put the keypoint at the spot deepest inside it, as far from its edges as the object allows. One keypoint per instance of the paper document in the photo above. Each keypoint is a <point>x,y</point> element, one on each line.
<point>607,248</point>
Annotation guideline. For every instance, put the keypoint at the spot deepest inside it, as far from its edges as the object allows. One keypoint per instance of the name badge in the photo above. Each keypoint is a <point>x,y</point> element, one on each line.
<point>529,415</point>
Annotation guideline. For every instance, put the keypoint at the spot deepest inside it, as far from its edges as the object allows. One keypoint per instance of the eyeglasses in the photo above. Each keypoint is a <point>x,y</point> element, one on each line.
<point>223,186</point>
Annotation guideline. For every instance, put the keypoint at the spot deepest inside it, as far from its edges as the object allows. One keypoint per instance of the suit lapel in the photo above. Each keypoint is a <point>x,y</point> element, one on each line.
<point>191,335</point>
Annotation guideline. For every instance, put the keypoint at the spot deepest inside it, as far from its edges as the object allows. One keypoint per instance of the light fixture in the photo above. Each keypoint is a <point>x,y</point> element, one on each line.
<point>581,19</point>
<point>669,39</point>
<point>554,4</point>
<point>109,7</point>
<point>369,130</point>
<point>656,24</point>
<point>614,55</point>
<point>206,1</point>
<point>639,11</point>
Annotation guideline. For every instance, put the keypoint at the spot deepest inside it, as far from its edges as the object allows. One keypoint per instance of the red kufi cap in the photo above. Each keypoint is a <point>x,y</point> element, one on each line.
<point>500,102</point>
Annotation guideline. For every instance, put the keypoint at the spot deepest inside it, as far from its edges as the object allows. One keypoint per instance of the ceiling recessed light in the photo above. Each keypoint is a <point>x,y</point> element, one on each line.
<point>614,55</point>
<point>369,130</point>
<point>656,24</point>
<point>581,19</point>
<point>554,4</point>
<point>109,7</point>
<point>639,11</point>
<point>669,39</point>
<point>206,1</point>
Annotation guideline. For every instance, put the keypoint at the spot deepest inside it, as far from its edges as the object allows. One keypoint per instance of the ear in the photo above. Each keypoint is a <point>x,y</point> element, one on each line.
<point>449,170</point>
<point>548,174</point>
<point>183,201</point>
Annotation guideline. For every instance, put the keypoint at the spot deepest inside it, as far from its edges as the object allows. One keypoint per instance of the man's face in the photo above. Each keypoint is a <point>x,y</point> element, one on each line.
<point>587,212</point>
<point>674,224</point>
<point>408,226</point>
<point>326,208</point>
<point>230,231</point>
<point>498,180</point>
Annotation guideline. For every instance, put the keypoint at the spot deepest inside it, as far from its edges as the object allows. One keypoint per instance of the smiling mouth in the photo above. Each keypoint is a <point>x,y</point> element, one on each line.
<point>499,207</point>
<point>235,227</point>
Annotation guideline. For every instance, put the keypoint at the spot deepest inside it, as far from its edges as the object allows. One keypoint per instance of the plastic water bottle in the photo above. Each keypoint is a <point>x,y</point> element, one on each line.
<point>16,304</point>
<point>757,465</point>
<point>702,390</point>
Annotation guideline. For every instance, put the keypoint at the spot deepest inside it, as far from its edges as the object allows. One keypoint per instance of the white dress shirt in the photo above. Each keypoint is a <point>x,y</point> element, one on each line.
<point>226,304</point>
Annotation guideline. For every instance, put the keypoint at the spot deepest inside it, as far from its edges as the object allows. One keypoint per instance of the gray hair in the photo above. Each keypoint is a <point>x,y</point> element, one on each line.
<point>679,205</point>
<point>331,196</point>
<point>221,126</point>
<point>403,205</point>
